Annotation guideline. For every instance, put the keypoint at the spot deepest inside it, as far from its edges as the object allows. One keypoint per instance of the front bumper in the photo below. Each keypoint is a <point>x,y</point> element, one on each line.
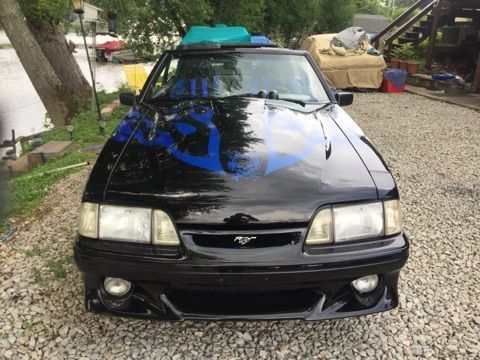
<point>212,284</point>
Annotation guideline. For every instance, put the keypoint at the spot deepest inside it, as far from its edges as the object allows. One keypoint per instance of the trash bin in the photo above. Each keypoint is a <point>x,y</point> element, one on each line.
<point>394,80</point>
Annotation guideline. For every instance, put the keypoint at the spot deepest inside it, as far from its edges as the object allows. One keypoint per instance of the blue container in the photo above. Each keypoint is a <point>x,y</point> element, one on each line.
<point>396,76</point>
<point>217,34</point>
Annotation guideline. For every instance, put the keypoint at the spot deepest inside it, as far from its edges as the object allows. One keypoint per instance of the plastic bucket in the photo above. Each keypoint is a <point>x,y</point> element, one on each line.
<point>394,80</point>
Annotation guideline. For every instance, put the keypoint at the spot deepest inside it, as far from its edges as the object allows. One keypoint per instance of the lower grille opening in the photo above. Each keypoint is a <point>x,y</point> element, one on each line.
<point>243,303</point>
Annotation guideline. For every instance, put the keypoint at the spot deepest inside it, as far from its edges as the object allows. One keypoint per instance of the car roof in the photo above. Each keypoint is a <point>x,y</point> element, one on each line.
<point>212,47</point>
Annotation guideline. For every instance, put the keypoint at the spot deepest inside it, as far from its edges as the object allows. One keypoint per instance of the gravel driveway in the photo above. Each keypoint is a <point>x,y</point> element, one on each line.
<point>434,152</point>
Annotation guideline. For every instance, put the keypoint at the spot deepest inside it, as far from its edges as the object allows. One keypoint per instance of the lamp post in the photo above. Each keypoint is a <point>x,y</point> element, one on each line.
<point>78,8</point>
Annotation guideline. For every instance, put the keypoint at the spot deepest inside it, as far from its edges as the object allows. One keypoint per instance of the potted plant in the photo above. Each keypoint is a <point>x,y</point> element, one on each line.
<point>394,63</point>
<point>405,54</point>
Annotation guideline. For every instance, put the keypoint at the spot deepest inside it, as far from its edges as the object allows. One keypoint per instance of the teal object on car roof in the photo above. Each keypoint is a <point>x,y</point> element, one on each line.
<point>217,34</point>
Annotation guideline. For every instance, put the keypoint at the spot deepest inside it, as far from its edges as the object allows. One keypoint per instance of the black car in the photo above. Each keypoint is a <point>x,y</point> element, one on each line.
<point>238,188</point>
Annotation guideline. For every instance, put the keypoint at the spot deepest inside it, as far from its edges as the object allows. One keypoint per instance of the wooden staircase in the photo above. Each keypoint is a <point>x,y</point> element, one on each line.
<point>423,20</point>
<point>418,33</point>
<point>413,30</point>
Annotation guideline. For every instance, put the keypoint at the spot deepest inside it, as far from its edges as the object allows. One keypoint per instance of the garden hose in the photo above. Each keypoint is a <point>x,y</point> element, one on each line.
<point>9,233</point>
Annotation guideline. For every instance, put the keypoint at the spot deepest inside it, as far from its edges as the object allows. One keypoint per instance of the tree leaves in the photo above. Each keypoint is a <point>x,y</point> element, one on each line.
<point>53,11</point>
<point>154,25</point>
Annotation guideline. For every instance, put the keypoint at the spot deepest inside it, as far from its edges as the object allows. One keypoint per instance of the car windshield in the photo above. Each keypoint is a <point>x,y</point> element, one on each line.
<point>230,74</point>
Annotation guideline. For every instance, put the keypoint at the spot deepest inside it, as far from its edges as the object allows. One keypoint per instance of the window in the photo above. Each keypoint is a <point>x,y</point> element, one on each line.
<point>217,75</point>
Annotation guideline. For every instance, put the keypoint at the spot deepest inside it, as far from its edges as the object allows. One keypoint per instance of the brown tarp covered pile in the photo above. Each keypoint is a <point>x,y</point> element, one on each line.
<point>360,71</point>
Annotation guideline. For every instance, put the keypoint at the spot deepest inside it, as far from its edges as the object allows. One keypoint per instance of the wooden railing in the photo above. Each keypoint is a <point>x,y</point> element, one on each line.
<point>399,20</point>
<point>407,25</point>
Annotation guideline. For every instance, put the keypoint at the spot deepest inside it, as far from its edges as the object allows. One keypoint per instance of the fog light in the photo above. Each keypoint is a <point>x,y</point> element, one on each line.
<point>117,287</point>
<point>365,284</point>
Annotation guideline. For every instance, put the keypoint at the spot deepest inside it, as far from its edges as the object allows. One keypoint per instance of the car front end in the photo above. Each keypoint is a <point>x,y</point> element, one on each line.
<point>259,274</point>
<point>222,205</point>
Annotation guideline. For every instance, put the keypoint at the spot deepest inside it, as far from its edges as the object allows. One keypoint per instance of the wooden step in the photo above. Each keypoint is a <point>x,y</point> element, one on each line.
<point>404,41</point>
<point>421,29</point>
<point>411,35</point>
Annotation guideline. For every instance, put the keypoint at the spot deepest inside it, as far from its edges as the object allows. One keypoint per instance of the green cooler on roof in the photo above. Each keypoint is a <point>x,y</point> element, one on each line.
<point>217,34</point>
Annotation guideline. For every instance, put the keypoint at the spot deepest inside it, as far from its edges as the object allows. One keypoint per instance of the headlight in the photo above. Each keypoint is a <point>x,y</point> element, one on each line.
<point>163,230</point>
<point>355,222</point>
<point>125,223</point>
<point>88,220</point>
<point>393,217</point>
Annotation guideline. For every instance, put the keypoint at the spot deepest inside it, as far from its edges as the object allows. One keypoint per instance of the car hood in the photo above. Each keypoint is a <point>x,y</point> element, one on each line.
<point>233,162</point>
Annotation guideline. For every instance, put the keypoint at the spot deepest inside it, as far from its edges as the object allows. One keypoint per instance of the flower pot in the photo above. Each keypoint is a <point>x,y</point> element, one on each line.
<point>402,64</point>
<point>394,63</point>
<point>412,67</point>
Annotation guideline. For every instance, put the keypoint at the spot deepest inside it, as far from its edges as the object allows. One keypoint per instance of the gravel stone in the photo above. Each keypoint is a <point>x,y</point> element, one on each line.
<point>433,150</point>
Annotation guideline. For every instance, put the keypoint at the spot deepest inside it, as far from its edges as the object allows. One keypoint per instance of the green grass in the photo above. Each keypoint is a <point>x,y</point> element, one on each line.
<point>85,124</point>
<point>27,325</point>
<point>46,330</point>
<point>36,251</point>
<point>28,191</point>
<point>36,276</point>
<point>3,336</point>
<point>57,268</point>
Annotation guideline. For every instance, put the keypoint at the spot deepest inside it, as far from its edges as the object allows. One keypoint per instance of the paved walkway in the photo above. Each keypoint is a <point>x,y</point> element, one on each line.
<point>471,101</point>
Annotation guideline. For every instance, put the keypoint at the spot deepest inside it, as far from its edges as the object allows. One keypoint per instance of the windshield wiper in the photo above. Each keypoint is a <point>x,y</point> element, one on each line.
<point>296,101</point>
<point>316,105</point>
<point>239,96</point>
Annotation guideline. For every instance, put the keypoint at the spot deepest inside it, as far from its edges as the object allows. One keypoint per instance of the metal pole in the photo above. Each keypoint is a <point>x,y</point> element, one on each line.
<point>94,58</point>
<point>91,71</point>
<point>14,145</point>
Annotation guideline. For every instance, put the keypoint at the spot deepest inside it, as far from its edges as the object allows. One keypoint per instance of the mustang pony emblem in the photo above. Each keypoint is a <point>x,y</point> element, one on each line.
<point>244,240</point>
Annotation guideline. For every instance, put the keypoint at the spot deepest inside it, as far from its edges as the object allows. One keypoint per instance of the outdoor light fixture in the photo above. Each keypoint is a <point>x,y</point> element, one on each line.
<point>69,127</point>
<point>78,6</point>
<point>112,21</point>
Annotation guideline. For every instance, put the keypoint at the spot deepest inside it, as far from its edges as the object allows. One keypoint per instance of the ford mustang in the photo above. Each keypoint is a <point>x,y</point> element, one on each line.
<point>237,187</point>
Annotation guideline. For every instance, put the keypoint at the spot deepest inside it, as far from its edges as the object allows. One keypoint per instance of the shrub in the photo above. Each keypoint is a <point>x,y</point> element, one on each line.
<point>404,52</point>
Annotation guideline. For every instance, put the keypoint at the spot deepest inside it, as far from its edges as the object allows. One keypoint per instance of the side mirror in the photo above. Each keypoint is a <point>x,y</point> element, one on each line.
<point>127,98</point>
<point>344,98</point>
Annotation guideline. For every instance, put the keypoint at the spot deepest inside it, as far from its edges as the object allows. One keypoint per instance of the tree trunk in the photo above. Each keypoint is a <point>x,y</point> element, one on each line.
<point>176,20</point>
<point>54,46</point>
<point>39,70</point>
